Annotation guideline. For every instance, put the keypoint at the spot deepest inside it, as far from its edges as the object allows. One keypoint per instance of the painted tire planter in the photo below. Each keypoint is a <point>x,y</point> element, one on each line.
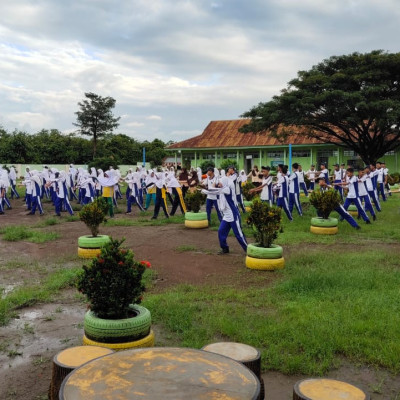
<point>324,223</point>
<point>93,242</point>
<point>118,330</point>
<point>90,246</point>
<point>196,220</point>
<point>147,341</point>
<point>353,210</point>
<point>318,230</point>
<point>265,264</point>
<point>88,253</point>
<point>247,205</point>
<point>264,252</point>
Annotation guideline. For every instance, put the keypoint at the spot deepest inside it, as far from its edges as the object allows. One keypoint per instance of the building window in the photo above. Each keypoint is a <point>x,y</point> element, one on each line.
<point>275,154</point>
<point>301,153</point>
<point>349,153</point>
<point>231,156</point>
<point>328,153</point>
<point>390,153</point>
<point>208,156</point>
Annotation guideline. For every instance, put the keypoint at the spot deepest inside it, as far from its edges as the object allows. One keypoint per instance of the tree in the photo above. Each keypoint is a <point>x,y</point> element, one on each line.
<point>95,117</point>
<point>352,101</point>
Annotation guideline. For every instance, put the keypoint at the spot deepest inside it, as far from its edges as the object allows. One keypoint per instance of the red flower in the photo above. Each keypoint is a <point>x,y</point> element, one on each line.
<point>101,261</point>
<point>121,263</point>
<point>145,264</point>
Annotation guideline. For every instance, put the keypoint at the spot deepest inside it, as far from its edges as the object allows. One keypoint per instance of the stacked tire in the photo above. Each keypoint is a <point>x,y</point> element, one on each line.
<point>247,205</point>
<point>322,226</point>
<point>264,258</point>
<point>196,220</point>
<point>119,334</point>
<point>353,210</point>
<point>90,246</point>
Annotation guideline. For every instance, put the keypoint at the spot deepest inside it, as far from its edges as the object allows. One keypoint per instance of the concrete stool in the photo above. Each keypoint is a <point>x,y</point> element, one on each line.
<point>69,359</point>
<point>247,355</point>
<point>327,389</point>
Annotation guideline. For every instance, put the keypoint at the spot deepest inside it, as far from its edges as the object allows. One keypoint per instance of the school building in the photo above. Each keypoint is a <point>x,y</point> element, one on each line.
<point>222,140</point>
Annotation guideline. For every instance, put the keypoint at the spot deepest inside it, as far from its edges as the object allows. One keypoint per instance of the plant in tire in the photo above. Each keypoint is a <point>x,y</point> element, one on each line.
<point>325,201</point>
<point>94,214</point>
<point>113,281</point>
<point>194,201</point>
<point>266,222</point>
<point>249,196</point>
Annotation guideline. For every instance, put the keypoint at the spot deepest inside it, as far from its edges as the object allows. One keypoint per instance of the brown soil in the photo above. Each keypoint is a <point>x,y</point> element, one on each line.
<point>41,331</point>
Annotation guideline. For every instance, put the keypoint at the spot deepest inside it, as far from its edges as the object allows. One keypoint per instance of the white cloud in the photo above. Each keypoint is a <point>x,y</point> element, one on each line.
<point>154,118</point>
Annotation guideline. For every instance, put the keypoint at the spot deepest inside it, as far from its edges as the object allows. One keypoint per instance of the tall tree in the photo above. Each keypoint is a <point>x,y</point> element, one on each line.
<point>352,101</point>
<point>95,117</point>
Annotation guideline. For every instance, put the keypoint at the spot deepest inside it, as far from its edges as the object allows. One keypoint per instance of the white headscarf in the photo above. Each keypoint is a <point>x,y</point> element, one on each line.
<point>110,180</point>
<point>199,172</point>
<point>216,172</point>
<point>93,172</point>
<point>12,174</point>
<point>223,173</point>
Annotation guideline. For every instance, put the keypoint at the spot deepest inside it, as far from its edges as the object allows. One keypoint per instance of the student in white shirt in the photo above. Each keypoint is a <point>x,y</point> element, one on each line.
<point>311,173</point>
<point>302,182</point>
<point>380,180</point>
<point>363,194</point>
<point>266,186</point>
<point>338,178</point>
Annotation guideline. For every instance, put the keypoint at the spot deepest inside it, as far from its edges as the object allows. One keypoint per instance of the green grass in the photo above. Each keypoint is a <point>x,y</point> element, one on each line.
<point>18,232</point>
<point>325,305</point>
<point>141,221</point>
<point>184,248</point>
<point>41,292</point>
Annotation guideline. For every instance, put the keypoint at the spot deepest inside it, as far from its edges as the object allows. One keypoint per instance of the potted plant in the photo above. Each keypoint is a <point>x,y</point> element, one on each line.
<point>325,202</point>
<point>193,217</point>
<point>112,284</point>
<point>93,215</point>
<point>248,202</point>
<point>266,222</point>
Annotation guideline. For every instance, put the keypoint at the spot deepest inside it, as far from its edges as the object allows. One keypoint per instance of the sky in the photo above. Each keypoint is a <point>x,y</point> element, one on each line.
<point>171,65</point>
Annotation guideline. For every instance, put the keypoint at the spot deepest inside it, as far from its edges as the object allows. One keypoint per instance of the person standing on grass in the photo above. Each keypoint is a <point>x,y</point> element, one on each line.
<point>151,189</point>
<point>108,180</point>
<point>237,188</point>
<point>294,190</point>
<point>302,182</point>
<point>13,183</point>
<point>324,173</point>
<point>282,186</point>
<point>72,177</point>
<point>254,174</point>
<point>133,197</point>
<point>183,178</point>
<point>4,182</point>
<point>161,195</point>
<point>338,178</point>
<point>231,215</point>
<point>193,181</point>
<point>385,178</point>
<point>61,181</point>
<point>369,185</point>
<point>311,173</point>
<point>363,194</point>
<point>210,182</point>
<point>266,186</point>
<point>28,189</point>
<point>380,179</point>
<point>36,183</point>
<point>173,184</point>
<point>353,195</point>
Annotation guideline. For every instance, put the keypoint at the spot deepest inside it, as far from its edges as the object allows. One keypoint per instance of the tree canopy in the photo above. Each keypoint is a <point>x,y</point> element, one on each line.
<point>352,101</point>
<point>95,117</point>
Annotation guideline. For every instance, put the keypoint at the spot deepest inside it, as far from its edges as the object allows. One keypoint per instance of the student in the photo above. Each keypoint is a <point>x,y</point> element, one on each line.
<point>311,173</point>
<point>173,184</point>
<point>161,196</point>
<point>133,180</point>
<point>255,176</point>
<point>193,182</point>
<point>385,178</point>
<point>338,178</point>
<point>282,185</point>
<point>13,183</point>
<point>4,182</point>
<point>72,176</point>
<point>352,195</point>
<point>210,182</point>
<point>183,181</point>
<point>236,183</point>
<point>150,183</point>
<point>108,180</point>
<point>266,186</point>
<point>324,173</point>
<point>294,190</point>
<point>231,216</point>
<point>302,182</point>
<point>369,185</point>
<point>61,181</point>
<point>363,194</point>
<point>28,189</point>
<point>380,173</point>
<point>36,183</point>
<point>340,209</point>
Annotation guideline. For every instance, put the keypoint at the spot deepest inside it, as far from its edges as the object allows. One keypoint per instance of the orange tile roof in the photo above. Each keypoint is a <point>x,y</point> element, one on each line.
<point>226,134</point>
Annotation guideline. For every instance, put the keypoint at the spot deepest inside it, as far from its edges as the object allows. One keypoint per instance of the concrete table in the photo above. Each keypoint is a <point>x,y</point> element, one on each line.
<point>161,374</point>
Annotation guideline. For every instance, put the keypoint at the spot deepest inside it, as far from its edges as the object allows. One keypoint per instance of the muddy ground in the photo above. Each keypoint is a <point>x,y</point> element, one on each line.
<point>42,330</point>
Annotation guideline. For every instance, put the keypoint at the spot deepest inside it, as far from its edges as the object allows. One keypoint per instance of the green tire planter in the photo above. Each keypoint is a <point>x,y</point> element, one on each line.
<point>326,223</point>
<point>191,216</point>
<point>248,203</point>
<point>264,252</point>
<point>352,207</point>
<point>118,330</point>
<point>92,242</point>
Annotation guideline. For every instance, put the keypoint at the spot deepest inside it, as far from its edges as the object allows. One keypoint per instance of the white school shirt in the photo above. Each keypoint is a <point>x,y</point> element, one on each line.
<point>380,175</point>
<point>266,189</point>
<point>368,182</point>
<point>300,174</point>
<point>362,191</point>
<point>323,173</point>
<point>292,178</point>
<point>352,191</point>
<point>338,175</point>
<point>311,175</point>
<point>211,183</point>
<point>224,208</point>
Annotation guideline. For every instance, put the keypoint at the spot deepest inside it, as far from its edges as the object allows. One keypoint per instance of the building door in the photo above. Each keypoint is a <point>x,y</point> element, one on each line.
<point>322,160</point>
<point>249,164</point>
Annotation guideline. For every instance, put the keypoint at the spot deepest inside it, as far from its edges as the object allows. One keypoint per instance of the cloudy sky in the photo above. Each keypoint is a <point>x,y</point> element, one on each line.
<point>171,65</point>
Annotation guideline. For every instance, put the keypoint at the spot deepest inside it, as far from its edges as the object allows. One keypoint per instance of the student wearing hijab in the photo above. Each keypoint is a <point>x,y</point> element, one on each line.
<point>173,184</point>
<point>4,183</point>
<point>36,183</point>
<point>108,180</point>
<point>133,198</point>
<point>150,183</point>
<point>183,181</point>
<point>161,196</point>
<point>72,176</point>
<point>13,183</point>
<point>61,181</point>
<point>193,182</point>
<point>28,189</point>
<point>230,212</point>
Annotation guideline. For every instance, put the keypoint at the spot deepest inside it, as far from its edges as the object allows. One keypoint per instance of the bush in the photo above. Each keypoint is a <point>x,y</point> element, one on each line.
<point>205,165</point>
<point>266,222</point>
<point>113,281</point>
<point>246,191</point>
<point>325,201</point>
<point>103,163</point>
<point>194,201</point>
<point>228,163</point>
<point>394,178</point>
<point>94,214</point>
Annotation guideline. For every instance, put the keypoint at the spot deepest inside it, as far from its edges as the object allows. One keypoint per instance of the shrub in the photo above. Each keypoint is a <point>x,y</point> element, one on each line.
<point>194,201</point>
<point>246,191</point>
<point>103,163</point>
<point>93,214</point>
<point>227,163</point>
<point>266,222</point>
<point>325,201</point>
<point>113,281</point>
<point>205,165</point>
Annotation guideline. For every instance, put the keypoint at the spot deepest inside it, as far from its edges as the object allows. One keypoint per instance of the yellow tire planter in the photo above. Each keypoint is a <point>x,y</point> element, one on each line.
<point>196,220</point>
<point>352,210</point>
<point>318,230</point>
<point>265,264</point>
<point>147,341</point>
<point>88,253</point>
